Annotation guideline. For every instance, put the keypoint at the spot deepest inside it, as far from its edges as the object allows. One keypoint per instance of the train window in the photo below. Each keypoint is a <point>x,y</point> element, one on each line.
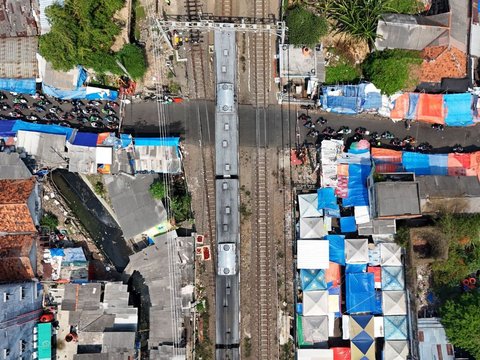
<point>225,227</point>
<point>227,209</point>
<point>227,126</point>
<point>225,52</point>
<point>227,167</point>
<point>224,143</point>
<point>224,69</point>
<point>225,186</point>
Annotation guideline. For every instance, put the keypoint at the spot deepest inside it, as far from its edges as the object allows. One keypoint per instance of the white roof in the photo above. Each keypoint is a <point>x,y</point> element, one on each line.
<point>356,251</point>
<point>312,254</point>
<point>315,227</point>
<point>227,259</point>
<point>104,155</point>
<point>82,159</point>
<point>395,350</point>
<point>315,303</point>
<point>362,214</point>
<point>394,303</point>
<point>315,354</point>
<point>315,328</point>
<point>378,328</point>
<point>47,149</point>
<point>308,204</point>
<point>391,254</point>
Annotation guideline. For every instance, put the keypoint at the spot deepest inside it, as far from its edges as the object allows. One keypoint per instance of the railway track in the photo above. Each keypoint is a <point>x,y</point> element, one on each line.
<point>227,8</point>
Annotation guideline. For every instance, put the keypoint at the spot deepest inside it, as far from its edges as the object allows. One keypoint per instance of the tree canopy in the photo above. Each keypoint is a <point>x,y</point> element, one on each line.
<point>132,57</point>
<point>304,27</point>
<point>82,33</point>
<point>392,70</point>
<point>460,318</point>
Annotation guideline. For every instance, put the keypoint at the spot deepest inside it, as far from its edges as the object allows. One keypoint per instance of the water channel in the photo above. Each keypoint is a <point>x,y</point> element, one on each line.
<point>103,229</point>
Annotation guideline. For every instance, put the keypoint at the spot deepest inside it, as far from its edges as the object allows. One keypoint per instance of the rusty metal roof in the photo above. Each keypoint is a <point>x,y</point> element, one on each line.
<point>18,57</point>
<point>16,18</point>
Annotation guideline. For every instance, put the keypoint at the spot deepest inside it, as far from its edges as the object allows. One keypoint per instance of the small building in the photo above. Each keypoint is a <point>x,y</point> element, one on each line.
<point>394,196</point>
<point>301,62</point>
<point>17,57</point>
<point>18,258</point>
<point>432,340</point>
<point>20,309</point>
<point>12,167</point>
<point>157,155</point>
<point>46,149</point>
<point>20,206</point>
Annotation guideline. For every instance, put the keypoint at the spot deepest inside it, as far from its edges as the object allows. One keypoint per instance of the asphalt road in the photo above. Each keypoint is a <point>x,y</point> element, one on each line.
<point>142,118</point>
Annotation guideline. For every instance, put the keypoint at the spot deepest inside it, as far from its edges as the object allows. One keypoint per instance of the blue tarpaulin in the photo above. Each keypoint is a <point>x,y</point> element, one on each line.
<point>392,278</point>
<point>355,268</point>
<point>74,255</point>
<point>378,303</point>
<point>327,198</point>
<point>416,162</point>
<point>21,86</point>
<point>438,164</point>
<point>85,139</point>
<point>43,128</point>
<point>336,244</point>
<point>88,93</point>
<point>412,106</point>
<point>312,280</point>
<point>357,194</point>
<point>348,224</point>
<point>82,76</point>
<point>57,252</point>
<point>360,294</point>
<point>126,140</point>
<point>343,104</point>
<point>167,141</point>
<point>458,109</point>
<point>6,128</point>
<point>372,101</point>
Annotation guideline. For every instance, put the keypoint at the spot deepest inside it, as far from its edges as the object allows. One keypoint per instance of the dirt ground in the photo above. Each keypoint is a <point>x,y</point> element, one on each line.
<point>355,51</point>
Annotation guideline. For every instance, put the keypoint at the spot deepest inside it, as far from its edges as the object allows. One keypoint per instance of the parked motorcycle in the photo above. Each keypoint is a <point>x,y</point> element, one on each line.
<point>344,130</point>
<point>387,135</point>
<point>424,147</point>
<point>457,148</point>
<point>438,127</point>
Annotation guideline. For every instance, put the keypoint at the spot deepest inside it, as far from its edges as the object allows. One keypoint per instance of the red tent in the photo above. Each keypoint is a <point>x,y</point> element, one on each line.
<point>341,353</point>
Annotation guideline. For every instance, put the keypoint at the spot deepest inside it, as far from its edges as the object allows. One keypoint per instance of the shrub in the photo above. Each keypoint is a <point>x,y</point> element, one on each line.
<point>133,58</point>
<point>49,220</point>
<point>341,73</point>
<point>405,6</point>
<point>392,70</point>
<point>304,27</point>
<point>158,189</point>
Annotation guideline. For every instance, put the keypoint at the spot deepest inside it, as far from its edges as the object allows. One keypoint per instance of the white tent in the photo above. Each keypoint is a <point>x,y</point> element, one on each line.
<point>313,254</point>
<point>315,354</point>
<point>315,329</point>
<point>391,254</point>
<point>395,350</point>
<point>362,214</point>
<point>394,303</point>
<point>356,251</point>
<point>314,228</point>
<point>308,204</point>
<point>315,303</point>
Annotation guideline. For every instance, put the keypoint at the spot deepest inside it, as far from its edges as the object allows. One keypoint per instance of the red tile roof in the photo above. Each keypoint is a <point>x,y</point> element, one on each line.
<point>443,62</point>
<point>14,213</point>
<point>15,264</point>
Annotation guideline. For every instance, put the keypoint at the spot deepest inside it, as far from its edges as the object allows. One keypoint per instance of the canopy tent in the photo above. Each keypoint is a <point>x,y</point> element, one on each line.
<point>360,294</point>
<point>400,107</point>
<point>395,327</point>
<point>362,214</point>
<point>394,303</point>
<point>308,205</point>
<point>430,108</point>
<point>337,248</point>
<point>312,279</point>
<point>327,198</point>
<point>356,251</point>
<point>362,337</point>
<point>312,254</point>
<point>458,109</point>
<point>315,354</point>
<point>315,329</point>
<point>392,278</point>
<point>395,350</point>
<point>348,224</point>
<point>391,254</point>
<point>314,227</point>
<point>355,268</point>
<point>315,303</point>
<point>357,194</point>
<point>377,275</point>
<point>341,353</point>
<point>333,274</point>
<point>334,301</point>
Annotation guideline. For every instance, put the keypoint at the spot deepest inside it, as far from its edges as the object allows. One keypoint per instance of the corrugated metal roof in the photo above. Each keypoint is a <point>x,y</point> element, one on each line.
<point>44,23</point>
<point>17,57</point>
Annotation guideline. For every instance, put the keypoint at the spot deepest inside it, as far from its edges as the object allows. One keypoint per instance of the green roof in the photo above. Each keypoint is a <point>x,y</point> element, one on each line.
<point>44,341</point>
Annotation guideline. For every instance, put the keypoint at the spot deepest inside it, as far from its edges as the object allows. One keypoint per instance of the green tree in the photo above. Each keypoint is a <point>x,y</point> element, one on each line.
<point>304,27</point>
<point>133,58</point>
<point>49,220</point>
<point>181,207</point>
<point>392,70</point>
<point>340,73</point>
<point>158,189</point>
<point>460,318</point>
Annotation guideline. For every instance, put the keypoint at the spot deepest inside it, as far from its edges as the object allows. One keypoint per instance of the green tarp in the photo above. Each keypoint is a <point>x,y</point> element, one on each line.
<point>44,341</point>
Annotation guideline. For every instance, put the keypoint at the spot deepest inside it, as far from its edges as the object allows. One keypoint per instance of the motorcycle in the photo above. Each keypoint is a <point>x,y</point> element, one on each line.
<point>307,107</point>
<point>360,131</point>
<point>424,147</point>
<point>387,135</point>
<point>32,117</point>
<point>395,142</point>
<point>438,127</point>
<point>457,148</point>
<point>408,124</point>
<point>344,130</point>
<point>409,140</point>
<point>4,106</point>
<point>15,114</point>
<point>375,135</point>
<point>313,133</point>
<point>304,117</point>
<point>309,125</point>
<point>111,119</point>
<point>321,120</point>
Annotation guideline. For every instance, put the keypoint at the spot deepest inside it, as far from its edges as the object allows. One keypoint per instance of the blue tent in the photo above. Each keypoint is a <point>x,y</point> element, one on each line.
<point>327,199</point>
<point>43,128</point>
<point>337,248</point>
<point>313,279</point>
<point>395,327</point>
<point>416,162</point>
<point>360,294</point>
<point>156,141</point>
<point>362,335</point>
<point>355,268</point>
<point>412,106</point>
<point>392,278</point>
<point>21,86</point>
<point>6,128</point>
<point>348,224</point>
<point>357,194</point>
<point>438,164</point>
<point>458,109</point>
<point>85,139</point>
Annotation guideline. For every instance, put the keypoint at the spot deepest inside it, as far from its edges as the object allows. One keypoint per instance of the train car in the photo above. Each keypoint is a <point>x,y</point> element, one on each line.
<point>227,211</point>
<point>227,259</point>
<point>226,145</point>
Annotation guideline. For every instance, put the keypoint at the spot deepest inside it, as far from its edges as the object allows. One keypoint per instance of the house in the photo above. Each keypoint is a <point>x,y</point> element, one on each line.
<point>394,196</point>
<point>18,258</point>
<point>12,167</point>
<point>20,207</point>
<point>432,340</point>
<point>103,322</point>
<point>20,309</point>
<point>46,149</point>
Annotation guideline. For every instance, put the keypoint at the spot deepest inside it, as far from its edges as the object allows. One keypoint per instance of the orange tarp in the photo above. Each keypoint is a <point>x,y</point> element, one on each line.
<point>101,137</point>
<point>387,155</point>
<point>458,164</point>
<point>400,108</point>
<point>342,169</point>
<point>430,109</point>
<point>332,274</point>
